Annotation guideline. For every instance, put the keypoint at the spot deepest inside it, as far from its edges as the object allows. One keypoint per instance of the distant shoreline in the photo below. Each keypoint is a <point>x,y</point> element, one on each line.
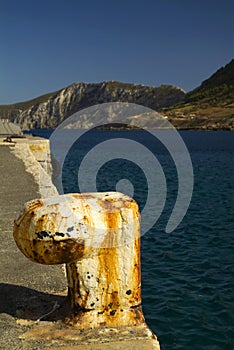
<point>46,133</point>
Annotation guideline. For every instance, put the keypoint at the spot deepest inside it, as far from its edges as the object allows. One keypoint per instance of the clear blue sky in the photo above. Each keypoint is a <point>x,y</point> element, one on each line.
<point>49,44</point>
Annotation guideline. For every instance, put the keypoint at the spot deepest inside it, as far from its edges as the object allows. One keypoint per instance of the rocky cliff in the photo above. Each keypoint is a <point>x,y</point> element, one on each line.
<point>50,110</point>
<point>209,106</point>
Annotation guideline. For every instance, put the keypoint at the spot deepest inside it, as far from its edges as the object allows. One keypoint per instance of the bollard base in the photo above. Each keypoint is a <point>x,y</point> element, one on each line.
<point>106,318</point>
<point>57,336</point>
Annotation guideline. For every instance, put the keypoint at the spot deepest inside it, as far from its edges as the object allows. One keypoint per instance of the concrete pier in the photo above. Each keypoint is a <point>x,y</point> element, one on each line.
<point>33,296</point>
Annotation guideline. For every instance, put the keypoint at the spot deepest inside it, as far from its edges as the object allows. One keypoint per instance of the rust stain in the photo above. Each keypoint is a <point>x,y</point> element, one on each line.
<point>136,274</point>
<point>107,318</point>
<point>82,196</point>
<point>47,222</point>
<point>109,203</point>
<point>109,273</point>
<point>109,260</point>
<point>36,203</point>
<point>38,147</point>
<point>29,209</point>
<point>52,252</point>
<point>85,218</point>
<point>74,290</point>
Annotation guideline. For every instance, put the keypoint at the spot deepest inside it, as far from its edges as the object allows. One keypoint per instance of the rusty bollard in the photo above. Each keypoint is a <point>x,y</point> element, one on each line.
<point>97,236</point>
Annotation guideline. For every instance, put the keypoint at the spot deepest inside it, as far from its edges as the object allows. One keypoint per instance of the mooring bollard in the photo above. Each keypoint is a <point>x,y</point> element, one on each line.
<point>97,236</point>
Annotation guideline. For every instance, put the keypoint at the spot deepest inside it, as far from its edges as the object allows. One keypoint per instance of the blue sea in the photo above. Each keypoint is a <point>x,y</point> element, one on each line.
<point>187,275</point>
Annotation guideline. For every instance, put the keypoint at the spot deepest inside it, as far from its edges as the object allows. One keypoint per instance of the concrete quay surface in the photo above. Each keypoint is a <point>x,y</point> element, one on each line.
<point>30,291</point>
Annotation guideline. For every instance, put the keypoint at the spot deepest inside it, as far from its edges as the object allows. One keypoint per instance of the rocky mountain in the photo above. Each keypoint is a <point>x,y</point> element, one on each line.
<point>50,110</point>
<point>209,106</point>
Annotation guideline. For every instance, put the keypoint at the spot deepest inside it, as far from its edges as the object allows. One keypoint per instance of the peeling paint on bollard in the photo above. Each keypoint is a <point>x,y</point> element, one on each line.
<point>97,236</point>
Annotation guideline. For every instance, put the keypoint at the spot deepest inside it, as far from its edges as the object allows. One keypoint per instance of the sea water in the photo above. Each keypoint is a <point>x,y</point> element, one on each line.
<point>187,275</point>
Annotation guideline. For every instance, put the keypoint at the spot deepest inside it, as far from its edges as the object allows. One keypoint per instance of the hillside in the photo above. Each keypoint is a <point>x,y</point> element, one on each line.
<point>49,110</point>
<point>7,111</point>
<point>209,106</point>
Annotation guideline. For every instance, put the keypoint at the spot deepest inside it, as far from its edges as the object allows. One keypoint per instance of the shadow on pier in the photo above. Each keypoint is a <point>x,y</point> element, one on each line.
<point>29,304</point>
